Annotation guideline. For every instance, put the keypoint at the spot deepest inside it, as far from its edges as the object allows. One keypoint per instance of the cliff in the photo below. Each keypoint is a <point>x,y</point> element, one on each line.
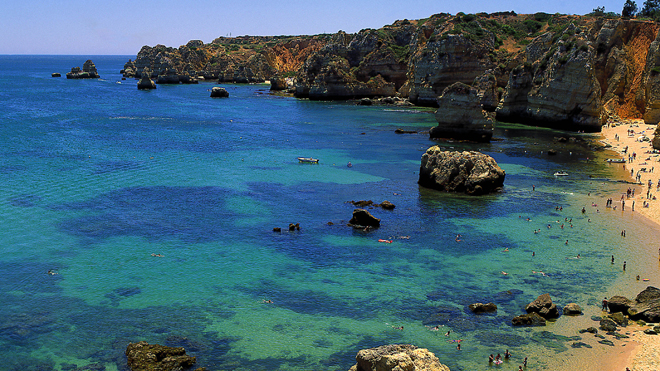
<point>562,71</point>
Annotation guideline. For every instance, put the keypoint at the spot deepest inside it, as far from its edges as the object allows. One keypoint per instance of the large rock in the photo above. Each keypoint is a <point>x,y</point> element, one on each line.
<point>544,306</point>
<point>218,92</point>
<point>143,356</point>
<point>460,115</point>
<point>88,71</point>
<point>530,319</point>
<point>607,324</point>
<point>619,304</point>
<point>397,357</point>
<point>645,307</point>
<point>572,309</point>
<point>362,218</point>
<point>471,172</point>
<point>146,83</point>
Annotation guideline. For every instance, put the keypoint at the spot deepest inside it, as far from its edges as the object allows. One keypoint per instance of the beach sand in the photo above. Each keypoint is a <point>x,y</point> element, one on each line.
<point>641,352</point>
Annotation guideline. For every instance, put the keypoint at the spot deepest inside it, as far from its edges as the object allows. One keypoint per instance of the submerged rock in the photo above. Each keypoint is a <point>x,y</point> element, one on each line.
<point>530,319</point>
<point>471,172</point>
<point>143,356</point>
<point>397,357</point>
<point>483,308</point>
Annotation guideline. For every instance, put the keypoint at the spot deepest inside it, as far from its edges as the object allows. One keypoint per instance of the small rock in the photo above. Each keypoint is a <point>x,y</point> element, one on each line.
<point>387,205</point>
<point>580,344</point>
<point>530,319</point>
<point>572,309</point>
<point>56,74</point>
<point>552,152</point>
<point>365,102</point>
<point>607,324</point>
<point>650,331</point>
<point>607,342</point>
<point>362,218</point>
<point>619,318</point>
<point>294,227</point>
<point>483,308</point>
<point>277,229</point>
<point>218,92</point>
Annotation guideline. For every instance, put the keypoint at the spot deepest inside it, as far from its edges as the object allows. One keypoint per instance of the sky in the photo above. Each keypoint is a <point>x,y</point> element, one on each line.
<point>122,27</point>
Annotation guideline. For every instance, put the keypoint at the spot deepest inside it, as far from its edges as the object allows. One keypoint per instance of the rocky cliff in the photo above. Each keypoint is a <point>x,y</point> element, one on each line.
<point>557,70</point>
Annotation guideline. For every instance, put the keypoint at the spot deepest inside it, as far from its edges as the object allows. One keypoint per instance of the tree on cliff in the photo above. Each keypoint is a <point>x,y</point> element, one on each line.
<point>651,8</point>
<point>629,9</point>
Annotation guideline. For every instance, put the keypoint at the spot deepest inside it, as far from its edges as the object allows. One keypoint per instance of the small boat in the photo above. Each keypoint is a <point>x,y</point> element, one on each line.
<point>309,160</point>
<point>616,160</point>
<point>561,173</point>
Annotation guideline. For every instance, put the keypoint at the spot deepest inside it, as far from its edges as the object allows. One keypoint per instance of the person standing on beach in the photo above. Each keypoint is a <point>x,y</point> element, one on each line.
<point>624,266</point>
<point>605,307</point>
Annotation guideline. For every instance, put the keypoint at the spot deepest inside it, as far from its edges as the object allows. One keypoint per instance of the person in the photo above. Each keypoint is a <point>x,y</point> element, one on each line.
<point>519,368</point>
<point>490,359</point>
<point>624,266</point>
<point>605,304</point>
<point>267,301</point>
<point>498,357</point>
<point>448,332</point>
<point>612,259</point>
<point>349,164</point>
<point>458,346</point>
<point>507,355</point>
<point>638,277</point>
<point>525,362</point>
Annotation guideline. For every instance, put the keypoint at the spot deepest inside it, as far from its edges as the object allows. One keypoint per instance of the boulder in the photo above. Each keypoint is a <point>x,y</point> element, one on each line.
<point>143,356</point>
<point>650,331</point>
<point>88,71</point>
<point>619,318</point>
<point>607,324</point>
<point>218,92</point>
<point>544,306</point>
<point>646,306</point>
<point>530,319</point>
<point>572,309</point>
<point>387,205</point>
<point>619,304</point>
<point>460,115</point>
<point>145,82</point>
<point>397,357</point>
<point>56,74</point>
<point>483,308</point>
<point>365,102</point>
<point>362,218</point>
<point>471,172</point>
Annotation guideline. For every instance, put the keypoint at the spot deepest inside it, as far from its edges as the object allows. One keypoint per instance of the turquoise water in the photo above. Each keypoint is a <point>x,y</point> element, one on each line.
<point>98,176</point>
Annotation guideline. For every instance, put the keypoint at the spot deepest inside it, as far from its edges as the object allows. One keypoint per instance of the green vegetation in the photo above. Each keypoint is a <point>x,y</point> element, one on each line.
<point>655,70</point>
<point>402,53</point>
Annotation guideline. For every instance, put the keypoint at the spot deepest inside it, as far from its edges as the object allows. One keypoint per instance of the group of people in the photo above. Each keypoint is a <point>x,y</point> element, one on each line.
<point>498,359</point>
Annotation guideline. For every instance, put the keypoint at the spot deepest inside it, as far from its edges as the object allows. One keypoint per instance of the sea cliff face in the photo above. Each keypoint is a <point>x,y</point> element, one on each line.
<point>570,72</point>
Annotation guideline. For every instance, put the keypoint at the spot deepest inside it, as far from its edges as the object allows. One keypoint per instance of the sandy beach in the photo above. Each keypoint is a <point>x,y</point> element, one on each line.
<point>631,139</point>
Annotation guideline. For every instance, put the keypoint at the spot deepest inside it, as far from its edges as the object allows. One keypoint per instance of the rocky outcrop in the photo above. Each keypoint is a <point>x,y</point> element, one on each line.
<point>483,308</point>
<point>362,218</point>
<point>143,356</point>
<point>460,115</point>
<point>56,74</point>
<point>473,173</point>
<point>218,92</point>
<point>544,306</point>
<point>87,72</point>
<point>656,138</point>
<point>397,357</point>
<point>486,85</point>
<point>652,84</point>
<point>146,83</point>
<point>646,305</point>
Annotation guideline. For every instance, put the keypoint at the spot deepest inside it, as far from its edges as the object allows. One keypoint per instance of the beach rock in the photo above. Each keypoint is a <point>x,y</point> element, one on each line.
<point>572,309</point>
<point>606,342</point>
<point>607,325</point>
<point>56,74</point>
<point>650,331</point>
<point>580,344</point>
<point>483,308</point>
<point>146,83</point>
<point>143,356</point>
<point>471,172</point>
<point>531,319</point>
<point>362,218</point>
<point>544,306</point>
<point>397,357</point>
<point>619,304</point>
<point>218,92</point>
<point>646,306</point>
<point>460,115</point>
<point>619,318</point>
<point>592,330</point>
<point>88,71</point>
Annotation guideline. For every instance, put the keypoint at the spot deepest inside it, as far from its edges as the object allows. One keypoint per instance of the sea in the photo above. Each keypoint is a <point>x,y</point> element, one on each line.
<point>134,215</point>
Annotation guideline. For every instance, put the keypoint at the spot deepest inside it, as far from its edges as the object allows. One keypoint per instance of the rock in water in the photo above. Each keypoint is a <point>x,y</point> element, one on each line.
<point>483,308</point>
<point>146,83</point>
<point>218,92</point>
<point>88,71</point>
<point>397,357</point>
<point>56,74</point>
<point>362,218</point>
<point>544,306</point>
<point>531,319</point>
<point>143,356</point>
<point>471,172</point>
<point>460,115</point>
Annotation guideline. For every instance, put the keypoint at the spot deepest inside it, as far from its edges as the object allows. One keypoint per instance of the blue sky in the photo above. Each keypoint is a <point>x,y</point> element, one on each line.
<point>122,27</point>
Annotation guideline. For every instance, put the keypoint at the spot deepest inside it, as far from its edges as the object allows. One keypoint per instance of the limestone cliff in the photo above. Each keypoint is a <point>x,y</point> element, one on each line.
<point>460,115</point>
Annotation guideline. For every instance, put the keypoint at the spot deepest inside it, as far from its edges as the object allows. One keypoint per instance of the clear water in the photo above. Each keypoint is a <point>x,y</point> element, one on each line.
<point>98,176</point>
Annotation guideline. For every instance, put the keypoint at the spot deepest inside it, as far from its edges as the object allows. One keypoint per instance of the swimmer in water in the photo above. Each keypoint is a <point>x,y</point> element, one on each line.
<point>505,273</point>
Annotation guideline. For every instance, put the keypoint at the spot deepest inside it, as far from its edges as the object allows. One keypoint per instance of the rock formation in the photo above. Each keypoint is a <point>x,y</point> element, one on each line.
<point>88,71</point>
<point>460,115</point>
<point>143,356</point>
<point>397,357</point>
<point>544,306</point>
<point>530,319</point>
<point>572,309</point>
<point>646,305</point>
<point>471,172</point>
<point>483,308</point>
<point>146,83</point>
<point>362,218</point>
<point>218,92</point>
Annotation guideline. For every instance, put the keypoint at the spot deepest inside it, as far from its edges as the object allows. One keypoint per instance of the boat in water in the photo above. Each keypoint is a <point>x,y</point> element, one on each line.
<point>561,173</point>
<point>308,160</point>
<point>616,160</point>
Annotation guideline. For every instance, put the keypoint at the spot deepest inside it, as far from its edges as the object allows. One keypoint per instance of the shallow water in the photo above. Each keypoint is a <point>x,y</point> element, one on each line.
<point>98,176</point>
